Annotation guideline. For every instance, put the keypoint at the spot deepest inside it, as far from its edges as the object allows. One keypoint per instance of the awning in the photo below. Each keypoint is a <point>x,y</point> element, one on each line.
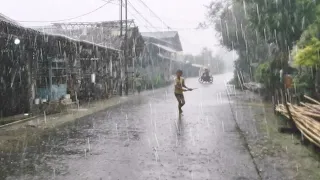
<point>165,47</point>
<point>163,56</point>
<point>198,65</point>
<point>167,57</point>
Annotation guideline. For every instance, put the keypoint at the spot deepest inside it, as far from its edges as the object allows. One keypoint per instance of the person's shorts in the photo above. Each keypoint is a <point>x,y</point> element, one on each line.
<point>179,97</point>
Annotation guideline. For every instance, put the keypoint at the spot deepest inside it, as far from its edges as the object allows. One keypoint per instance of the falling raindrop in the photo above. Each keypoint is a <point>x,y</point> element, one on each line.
<point>258,13</point>
<point>222,124</point>
<point>54,173</point>
<point>207,120</point>
<point>88,143</point>
<point>156,138</point>
<point>227,28</point>
<point>45,117</point>
<point>245,9</point>
<point>117,131</point>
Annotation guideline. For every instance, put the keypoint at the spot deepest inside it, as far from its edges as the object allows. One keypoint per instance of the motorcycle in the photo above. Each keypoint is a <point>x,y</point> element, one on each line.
<point>206,79</point>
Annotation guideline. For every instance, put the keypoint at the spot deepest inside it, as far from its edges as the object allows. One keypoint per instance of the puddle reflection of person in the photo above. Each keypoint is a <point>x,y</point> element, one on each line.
<point>180,138</point>
<point>180,125</point>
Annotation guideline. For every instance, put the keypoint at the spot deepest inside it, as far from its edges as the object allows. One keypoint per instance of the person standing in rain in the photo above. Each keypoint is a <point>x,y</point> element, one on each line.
<point>138,82</point>
<point>179,88</point>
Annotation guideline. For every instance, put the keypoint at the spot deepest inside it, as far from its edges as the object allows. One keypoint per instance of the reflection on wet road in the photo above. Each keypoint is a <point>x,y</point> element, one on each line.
<point>144,139</point>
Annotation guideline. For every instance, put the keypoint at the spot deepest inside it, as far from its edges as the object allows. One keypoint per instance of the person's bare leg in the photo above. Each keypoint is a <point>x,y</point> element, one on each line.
<point>179,99</point>
<point>182,102</point>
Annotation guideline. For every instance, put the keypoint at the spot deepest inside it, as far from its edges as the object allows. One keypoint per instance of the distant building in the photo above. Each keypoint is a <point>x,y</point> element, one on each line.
<point>106,33</point>
<point>161,51</point>
<point>4,18</point>
<point>36,65</point>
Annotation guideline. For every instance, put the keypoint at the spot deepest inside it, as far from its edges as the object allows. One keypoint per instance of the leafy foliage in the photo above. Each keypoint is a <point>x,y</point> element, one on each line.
<point>310,55</point>
<point>304,82</point>
<point>262,73</point>
<point>265,31</point>
<point>281,21</point>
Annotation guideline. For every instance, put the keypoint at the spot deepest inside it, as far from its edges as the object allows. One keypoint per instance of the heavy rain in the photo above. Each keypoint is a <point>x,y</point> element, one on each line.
<point>153,90</point>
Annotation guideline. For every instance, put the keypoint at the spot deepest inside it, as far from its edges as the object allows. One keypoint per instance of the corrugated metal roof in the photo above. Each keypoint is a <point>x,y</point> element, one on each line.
<point>7,19</point>
<point>160,35</point>
<point>12,23</point>
<point>97,35</point>
<point>170,39</point>
<point>197,65</point>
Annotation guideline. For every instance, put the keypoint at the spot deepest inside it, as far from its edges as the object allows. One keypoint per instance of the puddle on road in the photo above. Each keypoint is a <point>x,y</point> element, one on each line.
<point>49,157</point>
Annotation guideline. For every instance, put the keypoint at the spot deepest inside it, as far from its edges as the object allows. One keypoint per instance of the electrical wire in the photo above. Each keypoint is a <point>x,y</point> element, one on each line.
<point>181,28</point>
<point>155,14</point>
<point>130,4</point>
<point>82,15</point>
<point>147,27</point>
<point>151,25</point>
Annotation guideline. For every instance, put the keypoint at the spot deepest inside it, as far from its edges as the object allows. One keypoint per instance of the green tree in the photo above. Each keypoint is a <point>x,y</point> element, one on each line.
<point>281,21</point>
<point>236,34</point>
<point>309,56</point>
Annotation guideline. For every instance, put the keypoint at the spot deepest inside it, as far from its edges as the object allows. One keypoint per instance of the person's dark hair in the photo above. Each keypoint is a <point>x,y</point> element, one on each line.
<point>179,71</point>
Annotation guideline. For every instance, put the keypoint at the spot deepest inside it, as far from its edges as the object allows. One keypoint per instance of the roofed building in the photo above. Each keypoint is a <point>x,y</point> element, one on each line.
<point>161,53</point>
<point>106,33</point>
<point>36,65</point>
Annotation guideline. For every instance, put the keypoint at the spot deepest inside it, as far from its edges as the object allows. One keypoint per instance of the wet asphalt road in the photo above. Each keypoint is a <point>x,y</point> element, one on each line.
<point>144,140</point>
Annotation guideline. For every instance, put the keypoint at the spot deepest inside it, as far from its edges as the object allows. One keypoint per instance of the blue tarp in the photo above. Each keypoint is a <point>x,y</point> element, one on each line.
<point>58,91</point>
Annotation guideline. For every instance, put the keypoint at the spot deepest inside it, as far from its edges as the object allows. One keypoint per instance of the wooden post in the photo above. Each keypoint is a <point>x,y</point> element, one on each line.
<point>30,84</point>
<point>284,91</point>
<point>239,79</point>
<point>126,52</point>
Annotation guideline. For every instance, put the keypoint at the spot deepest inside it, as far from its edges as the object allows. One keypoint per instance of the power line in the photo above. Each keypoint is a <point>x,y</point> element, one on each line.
<point>147,27</point>
<point>107,2</point>
<point>151,25</point>
<point>141,15</point>
<point>155,14</point>
<point>160,18</point>
<point>181,28</point>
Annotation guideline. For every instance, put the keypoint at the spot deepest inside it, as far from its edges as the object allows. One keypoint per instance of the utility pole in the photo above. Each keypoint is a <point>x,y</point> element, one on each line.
<point>121,23</point>
<point>121,18</point>
<point>126,51</point>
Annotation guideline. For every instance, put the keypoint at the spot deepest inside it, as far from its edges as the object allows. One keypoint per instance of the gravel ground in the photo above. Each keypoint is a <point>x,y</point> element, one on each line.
<point>277,155</point>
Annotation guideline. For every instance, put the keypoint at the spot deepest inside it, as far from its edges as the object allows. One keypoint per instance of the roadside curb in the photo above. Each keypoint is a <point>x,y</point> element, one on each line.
<point>95,107</point>
<point>14,136</point>
<point>19,121</point>
<point>76,114</point>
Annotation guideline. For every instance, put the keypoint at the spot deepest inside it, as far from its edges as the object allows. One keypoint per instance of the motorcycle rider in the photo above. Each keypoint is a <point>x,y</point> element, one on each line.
<point>205,75</point>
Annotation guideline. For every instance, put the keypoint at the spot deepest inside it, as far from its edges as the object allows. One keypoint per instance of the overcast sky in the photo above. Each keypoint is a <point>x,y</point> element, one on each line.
<point>181,15</point>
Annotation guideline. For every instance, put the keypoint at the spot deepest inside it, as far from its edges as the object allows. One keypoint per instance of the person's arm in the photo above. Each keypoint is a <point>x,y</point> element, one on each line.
<point>184,85</point>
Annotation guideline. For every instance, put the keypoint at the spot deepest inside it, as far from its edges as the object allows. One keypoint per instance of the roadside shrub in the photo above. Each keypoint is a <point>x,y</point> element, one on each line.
<point>262,74</point>
<point>304,82</point>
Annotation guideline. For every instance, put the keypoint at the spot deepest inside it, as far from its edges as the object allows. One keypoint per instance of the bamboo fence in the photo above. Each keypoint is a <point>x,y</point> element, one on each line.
<point>306,116</point>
